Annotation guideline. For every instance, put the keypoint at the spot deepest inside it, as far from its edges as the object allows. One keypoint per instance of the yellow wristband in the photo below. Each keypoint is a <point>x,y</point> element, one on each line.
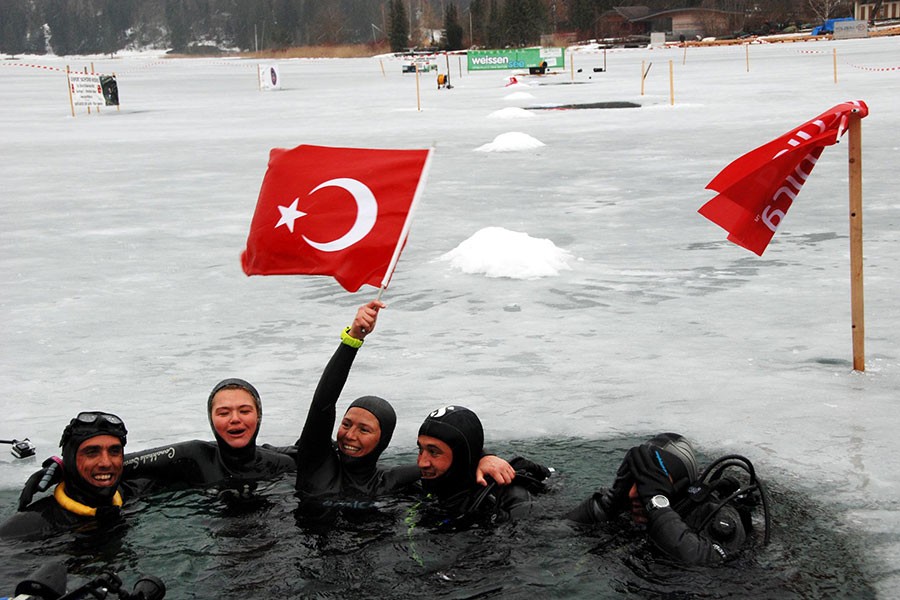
<point>348,339</point>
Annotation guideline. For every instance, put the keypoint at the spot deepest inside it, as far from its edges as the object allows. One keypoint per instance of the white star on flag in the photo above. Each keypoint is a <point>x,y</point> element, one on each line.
<point>289,214</point>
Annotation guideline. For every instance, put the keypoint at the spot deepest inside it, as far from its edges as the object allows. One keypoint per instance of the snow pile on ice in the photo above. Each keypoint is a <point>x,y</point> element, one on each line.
<point>511,112</point>
<point>499,252</point>
<point>512,141</point>
<point>518,96</point>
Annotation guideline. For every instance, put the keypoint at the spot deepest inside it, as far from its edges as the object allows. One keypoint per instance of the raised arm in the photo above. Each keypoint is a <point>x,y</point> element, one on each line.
<point>315,440</point>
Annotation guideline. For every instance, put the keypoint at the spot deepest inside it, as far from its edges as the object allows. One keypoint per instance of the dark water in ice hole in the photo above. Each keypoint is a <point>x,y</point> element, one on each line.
<point>202,548</point>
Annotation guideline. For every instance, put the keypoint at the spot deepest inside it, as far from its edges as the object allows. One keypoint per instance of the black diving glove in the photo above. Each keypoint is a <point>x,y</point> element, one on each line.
<point>648,473</point>
<point>533,469</point>
<point>40,481</point>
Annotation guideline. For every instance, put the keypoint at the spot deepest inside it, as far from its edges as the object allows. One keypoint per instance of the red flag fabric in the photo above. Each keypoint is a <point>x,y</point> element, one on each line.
<point>342,212</point>
<point>756,190</point>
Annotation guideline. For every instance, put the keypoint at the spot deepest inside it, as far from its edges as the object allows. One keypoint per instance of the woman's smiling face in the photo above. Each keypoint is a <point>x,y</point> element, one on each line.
<point>234,416</point>
<point>358,433</point>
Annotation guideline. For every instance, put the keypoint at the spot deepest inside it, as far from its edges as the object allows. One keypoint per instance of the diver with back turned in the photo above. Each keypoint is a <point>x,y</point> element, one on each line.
<point>694,518</point>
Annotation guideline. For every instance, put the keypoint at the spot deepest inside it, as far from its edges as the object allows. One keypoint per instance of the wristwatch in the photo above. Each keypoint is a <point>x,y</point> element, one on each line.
<point>657,502</point>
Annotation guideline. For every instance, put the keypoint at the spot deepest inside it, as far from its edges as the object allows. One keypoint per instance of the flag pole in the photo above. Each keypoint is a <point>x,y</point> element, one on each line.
<point>404,233</point>
<point>856,253</point>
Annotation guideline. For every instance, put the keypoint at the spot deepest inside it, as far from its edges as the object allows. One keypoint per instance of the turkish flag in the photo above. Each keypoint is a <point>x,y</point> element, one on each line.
<point>342,212</point>
<point>756,190</point>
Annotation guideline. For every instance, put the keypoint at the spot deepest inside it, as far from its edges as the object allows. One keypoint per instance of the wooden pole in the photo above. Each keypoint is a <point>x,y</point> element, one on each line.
<point>383,74</point>
<point>572,65</point>
<point>684,56</point>
<point>747,50</point>
<point>643,75</point>
<point>69,84</point>
<point>89,106</point>
<point>854,132</point>
<point>671,85</point>
<point>604,59</point>
<point>447,61</point>
<point>835,64</point>
<point>418,97</point>
<point>459,65</point>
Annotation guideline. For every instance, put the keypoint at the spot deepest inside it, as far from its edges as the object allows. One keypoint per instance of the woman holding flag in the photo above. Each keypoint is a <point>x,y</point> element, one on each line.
<point>347,467</point>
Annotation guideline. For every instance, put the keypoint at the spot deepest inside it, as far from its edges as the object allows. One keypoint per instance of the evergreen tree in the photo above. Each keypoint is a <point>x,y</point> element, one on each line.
<point>478,15</point>
<point>399,26</point>
<point>179,29</point>
<point>582,17</point>
<point>284,20</point>
<point>13,27</point>
<point>523,22</point>
<point>496,39</point>
<point>453,31</point>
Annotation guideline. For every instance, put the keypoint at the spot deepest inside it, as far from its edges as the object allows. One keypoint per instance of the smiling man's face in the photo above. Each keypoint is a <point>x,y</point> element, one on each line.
<point>99,460</point>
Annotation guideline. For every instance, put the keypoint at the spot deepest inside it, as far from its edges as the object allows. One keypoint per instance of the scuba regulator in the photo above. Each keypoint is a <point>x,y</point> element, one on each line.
<point>720,490</point>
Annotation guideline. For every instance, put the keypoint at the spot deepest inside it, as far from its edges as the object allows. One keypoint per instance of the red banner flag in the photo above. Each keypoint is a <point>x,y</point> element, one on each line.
<point>756,190</point>
<point>343,212</point>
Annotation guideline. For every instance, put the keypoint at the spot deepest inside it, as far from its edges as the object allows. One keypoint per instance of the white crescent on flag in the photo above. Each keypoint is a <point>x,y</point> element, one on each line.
<point>366,214</point>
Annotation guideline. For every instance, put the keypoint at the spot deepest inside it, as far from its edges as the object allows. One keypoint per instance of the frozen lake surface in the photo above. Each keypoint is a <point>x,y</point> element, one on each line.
<point>121,235</point>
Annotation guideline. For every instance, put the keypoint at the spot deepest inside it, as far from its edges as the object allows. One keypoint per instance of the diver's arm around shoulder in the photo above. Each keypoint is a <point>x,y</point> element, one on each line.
<point>400,478</point>
<point>596,508</point>
<point>173,462</point>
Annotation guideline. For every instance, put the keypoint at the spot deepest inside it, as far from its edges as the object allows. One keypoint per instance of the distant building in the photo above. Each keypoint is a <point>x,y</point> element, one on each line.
<point>863,11</point>
<point>625,21</point>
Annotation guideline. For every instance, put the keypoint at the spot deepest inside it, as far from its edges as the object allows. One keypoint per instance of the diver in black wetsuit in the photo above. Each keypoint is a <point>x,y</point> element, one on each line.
<point>233,462</point>
<point>347,467</point>
<point>692,518</point>
<point>89,496</point>
<point>340,472</point>
<point>450,441</point>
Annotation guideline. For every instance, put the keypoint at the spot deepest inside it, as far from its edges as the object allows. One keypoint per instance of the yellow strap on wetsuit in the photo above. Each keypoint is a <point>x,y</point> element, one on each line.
<point>348,339</point>
<point>77,507</point>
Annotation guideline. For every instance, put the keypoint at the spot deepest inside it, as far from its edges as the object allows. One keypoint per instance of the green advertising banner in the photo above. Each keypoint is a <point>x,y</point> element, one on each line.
<point>515,58</point>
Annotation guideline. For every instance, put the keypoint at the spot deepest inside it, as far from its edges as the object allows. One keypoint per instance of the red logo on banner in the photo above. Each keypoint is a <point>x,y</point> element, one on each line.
<point>757,189</point>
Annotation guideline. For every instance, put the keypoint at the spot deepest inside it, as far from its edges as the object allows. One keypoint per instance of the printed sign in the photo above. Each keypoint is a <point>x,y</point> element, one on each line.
<point>516,58</point>
<point>269,78</point>
<point>86,90</point>
<point>845,30</point>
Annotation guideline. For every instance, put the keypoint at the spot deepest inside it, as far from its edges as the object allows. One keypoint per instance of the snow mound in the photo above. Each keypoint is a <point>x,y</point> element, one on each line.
<point>499,252</point>
<point>518,96</point>
<point>511,112</point>
<point>512,141</point>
